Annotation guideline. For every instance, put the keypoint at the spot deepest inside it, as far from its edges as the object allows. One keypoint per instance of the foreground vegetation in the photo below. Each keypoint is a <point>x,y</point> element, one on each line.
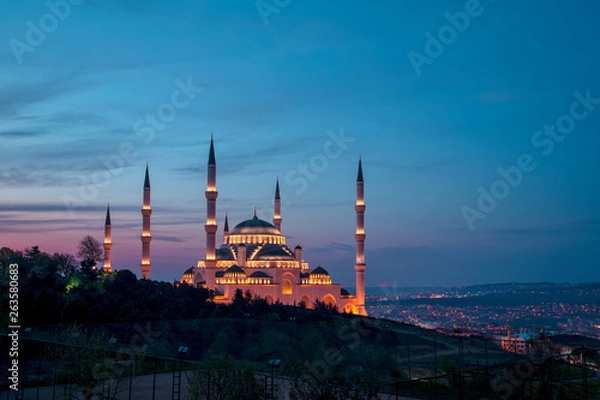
<point>89,328</point>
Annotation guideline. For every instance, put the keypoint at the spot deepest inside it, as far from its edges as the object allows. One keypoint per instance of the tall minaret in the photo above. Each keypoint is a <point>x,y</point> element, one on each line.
<point>146,238</point>
<point>360,235</point>
<point>226,231</point>
<point>107,242</point>
<point>277,213</point>
<point>211,207</point>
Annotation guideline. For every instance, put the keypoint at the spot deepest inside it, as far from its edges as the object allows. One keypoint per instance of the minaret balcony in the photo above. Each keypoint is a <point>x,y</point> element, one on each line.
<point>210,228</point>
<point>360,267</point>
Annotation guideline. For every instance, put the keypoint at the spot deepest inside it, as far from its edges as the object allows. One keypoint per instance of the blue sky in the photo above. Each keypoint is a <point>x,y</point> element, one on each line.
<point>274,81</point>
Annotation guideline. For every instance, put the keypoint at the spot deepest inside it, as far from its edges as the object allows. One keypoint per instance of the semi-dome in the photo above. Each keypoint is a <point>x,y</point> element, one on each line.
<point>259,274</point>
<point>254,226</point>
<point>272,252</point>
<point>234,271</point>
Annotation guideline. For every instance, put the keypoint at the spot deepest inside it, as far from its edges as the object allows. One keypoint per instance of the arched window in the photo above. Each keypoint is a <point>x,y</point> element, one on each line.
<point>286,288</point>
<point>329,300</point>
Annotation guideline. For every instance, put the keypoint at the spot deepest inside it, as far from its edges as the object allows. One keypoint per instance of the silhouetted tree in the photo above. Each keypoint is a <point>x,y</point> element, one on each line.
<point>241,303</point>
<point>66,263</point>
<point>90,251</point>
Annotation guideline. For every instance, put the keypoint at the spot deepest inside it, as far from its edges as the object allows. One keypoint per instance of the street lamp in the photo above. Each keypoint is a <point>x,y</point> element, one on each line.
<point>274,362</point>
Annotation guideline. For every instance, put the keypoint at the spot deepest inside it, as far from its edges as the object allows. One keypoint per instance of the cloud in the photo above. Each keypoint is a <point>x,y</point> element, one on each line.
<point>420,166</point>
<point>51,207</point>
<point>169,239</point>
<point>240,161</point>
<point>20,134</point>
<point>15,98</point>
<point>28,176</point>
<point>573,225</point>
<point>333,246</point>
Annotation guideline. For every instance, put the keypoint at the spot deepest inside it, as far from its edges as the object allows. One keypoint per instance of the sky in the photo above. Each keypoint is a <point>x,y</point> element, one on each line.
<point>478,124</point>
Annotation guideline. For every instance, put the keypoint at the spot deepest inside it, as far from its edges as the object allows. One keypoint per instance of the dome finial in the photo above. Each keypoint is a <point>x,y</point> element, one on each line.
<point>254,217</point>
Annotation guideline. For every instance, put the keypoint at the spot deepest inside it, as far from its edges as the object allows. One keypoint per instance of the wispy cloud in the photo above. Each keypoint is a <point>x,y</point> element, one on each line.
<point>14,99</point>
<point>169,239</point>
<point>333,246</point>
<point>420,166</point>
<point>573,225</point>
<point>20,134</point>
<point>239,160</point>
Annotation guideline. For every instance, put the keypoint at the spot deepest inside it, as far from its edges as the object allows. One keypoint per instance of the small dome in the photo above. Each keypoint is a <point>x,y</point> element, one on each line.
<point>254,226</point>
<point>259,274</point>
<point>344,292</point>
<point>188,271</point>
<point>224,253</point>
<point>319,271</point>
<point>298,247</point>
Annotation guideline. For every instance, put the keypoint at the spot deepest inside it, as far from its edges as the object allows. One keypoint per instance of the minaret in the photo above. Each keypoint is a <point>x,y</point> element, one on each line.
<point>211,207</point>
<point>226,231</point>
<point>146,238</point>
<point>360,265</point>
<point>277,213</point>
<point>107,242</point>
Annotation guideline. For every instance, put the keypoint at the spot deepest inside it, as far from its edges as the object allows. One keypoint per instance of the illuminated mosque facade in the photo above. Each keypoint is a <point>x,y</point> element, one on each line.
<point>254,256</point>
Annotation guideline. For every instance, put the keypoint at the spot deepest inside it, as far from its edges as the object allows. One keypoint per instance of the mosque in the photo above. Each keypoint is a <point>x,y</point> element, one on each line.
<point>254,256</point>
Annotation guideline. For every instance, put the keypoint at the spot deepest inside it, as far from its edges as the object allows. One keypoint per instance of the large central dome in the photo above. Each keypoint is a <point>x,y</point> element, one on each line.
<point>254,226</point>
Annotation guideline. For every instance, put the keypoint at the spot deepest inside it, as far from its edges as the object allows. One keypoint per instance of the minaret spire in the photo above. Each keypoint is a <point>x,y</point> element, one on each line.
<point>146,237</point>
<point>226,230</point>
<point>107,241</point>
<point>360,236</point>
<point>211,207</point>
<point>277,213</point>
<point>359,177</point>
<point>147,178</point>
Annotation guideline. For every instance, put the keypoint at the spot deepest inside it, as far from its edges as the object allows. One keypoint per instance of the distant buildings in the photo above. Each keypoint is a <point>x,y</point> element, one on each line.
<point>520,343</point>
